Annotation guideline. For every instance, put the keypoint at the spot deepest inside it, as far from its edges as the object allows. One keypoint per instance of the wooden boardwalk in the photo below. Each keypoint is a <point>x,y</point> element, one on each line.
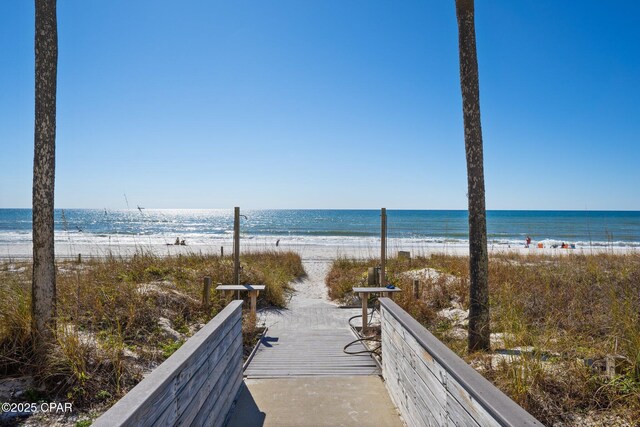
<point>308,339</point>
<point>300,375</point>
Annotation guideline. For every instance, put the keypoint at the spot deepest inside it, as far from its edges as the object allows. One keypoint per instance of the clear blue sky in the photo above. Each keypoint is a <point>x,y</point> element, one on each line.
<point>326,104</point>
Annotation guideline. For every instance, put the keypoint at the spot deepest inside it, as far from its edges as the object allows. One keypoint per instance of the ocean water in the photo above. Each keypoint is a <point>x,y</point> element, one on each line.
<point>328,227</point>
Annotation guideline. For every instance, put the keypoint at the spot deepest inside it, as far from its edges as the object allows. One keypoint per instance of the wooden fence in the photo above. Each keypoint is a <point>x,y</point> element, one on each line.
<point>195,386</point>
<point>432,386</point>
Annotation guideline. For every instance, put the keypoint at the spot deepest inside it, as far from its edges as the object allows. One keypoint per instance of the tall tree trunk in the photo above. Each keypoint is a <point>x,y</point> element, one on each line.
<point>43,287</point>
<point>479,332</point>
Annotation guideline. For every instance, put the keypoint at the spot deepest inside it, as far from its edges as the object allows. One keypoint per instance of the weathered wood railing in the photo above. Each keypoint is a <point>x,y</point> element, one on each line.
<point>431,385</point>
<point>195,386</point>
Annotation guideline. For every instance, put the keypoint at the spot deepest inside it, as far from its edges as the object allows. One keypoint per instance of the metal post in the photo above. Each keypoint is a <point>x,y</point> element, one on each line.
<point>221,251</point>
<point>383,247</point>
<point>363,298</point>
<point>236,246</point>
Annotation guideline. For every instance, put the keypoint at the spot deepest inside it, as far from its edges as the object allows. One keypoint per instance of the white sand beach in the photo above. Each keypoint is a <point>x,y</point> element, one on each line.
<point>307,251</point>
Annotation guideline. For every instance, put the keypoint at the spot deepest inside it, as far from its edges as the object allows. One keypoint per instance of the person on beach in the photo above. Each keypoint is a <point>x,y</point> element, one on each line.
<point>528,242</point>
<point>177,241</point>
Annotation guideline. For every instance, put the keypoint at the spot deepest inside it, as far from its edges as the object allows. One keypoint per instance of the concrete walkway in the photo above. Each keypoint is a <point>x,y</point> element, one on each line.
<point>300,375</point>
<point>315,401</point>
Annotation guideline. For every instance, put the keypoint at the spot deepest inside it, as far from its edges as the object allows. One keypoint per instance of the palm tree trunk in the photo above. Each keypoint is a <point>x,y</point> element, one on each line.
<point>479,332</point>
<point>43,288</point>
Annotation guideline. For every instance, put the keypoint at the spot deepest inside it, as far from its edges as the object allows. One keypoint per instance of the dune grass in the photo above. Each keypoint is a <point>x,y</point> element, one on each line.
<point>110,312</point>
<point>566,314</point>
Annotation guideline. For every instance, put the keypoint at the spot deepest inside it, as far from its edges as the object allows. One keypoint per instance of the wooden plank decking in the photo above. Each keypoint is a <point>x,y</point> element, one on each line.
<point>309,340</point>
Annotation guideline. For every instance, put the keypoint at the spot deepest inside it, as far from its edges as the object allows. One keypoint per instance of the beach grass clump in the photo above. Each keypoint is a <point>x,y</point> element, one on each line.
<point>118,317</point>
<point>572,316</point>
<point>345,274</point>
<point>558,323</point>
<point>276,270</point>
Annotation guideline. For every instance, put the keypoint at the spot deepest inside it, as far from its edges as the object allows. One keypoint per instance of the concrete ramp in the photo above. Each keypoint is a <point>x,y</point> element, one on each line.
<point>314,401</point>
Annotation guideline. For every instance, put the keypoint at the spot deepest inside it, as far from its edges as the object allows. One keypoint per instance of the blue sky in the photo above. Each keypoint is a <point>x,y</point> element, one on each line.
<point>326,104</point>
